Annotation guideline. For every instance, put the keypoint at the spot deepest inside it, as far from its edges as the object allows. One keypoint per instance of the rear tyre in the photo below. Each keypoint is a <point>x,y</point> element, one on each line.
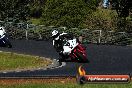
<point>9,46</point>
<point>7,42</point>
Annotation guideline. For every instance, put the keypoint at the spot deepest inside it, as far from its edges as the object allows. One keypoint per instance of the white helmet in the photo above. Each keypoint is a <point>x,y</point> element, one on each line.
<point>54,33</point>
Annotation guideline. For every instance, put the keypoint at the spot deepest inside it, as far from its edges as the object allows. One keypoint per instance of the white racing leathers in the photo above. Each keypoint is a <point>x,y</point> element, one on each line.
<point>64,43</point>
<point>2,32</point>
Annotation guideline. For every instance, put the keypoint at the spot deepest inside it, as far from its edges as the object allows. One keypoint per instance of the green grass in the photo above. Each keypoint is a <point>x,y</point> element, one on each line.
<point>13,61</point>
<point>69,85</point>
<point>35,21</point>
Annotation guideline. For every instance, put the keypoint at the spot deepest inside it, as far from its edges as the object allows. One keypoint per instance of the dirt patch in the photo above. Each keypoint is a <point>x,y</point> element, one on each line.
<point>36,81</point>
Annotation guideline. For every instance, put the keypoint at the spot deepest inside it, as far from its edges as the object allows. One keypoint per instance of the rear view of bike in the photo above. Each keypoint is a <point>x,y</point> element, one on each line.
<point>4,41</point>
<point>75,50</point>
<point>79,54</point>
<point>71,49</point>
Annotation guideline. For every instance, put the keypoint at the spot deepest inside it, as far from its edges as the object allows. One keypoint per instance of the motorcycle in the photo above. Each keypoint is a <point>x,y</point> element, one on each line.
<point>4,41</point>
<point>74,49</point>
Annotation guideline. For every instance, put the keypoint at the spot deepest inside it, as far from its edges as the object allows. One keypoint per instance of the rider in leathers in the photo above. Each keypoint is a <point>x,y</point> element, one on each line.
<point>58,41</point>
<point>2,31</point>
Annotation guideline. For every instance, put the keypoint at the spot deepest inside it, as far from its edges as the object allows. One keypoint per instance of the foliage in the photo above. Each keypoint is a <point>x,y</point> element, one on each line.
<point>122,7</point>
<point>36,7</point>
<point>40,33</point>
<point>69,13</point>
<point>101,19</point>
<point>35,21</point>
<point>15,9</point>
<point>73,14</point>
<point>15,33</point>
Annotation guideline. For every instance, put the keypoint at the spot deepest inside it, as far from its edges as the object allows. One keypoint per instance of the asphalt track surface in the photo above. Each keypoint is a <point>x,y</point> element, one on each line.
<point>104,59</point>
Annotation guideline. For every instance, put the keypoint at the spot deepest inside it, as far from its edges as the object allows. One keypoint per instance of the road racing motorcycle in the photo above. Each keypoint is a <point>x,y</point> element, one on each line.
<point>72,49</point>
<point>4,41</point>
<point>75,50</point>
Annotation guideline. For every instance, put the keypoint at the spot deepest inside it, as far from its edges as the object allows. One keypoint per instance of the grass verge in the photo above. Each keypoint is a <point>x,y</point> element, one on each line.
<point>35,21</point>
<point>55,83</point>
<point>13,61</point>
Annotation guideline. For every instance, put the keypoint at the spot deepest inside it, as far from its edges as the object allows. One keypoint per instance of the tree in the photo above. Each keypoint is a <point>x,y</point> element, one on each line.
<point>69,13</point>
<point>122,7</point>
<point>15,9</point>
<point>36,8</point>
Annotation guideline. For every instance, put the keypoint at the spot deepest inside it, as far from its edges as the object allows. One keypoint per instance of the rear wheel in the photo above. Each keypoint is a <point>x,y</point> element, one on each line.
<point>7,42</point>
<point>9,46</point>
